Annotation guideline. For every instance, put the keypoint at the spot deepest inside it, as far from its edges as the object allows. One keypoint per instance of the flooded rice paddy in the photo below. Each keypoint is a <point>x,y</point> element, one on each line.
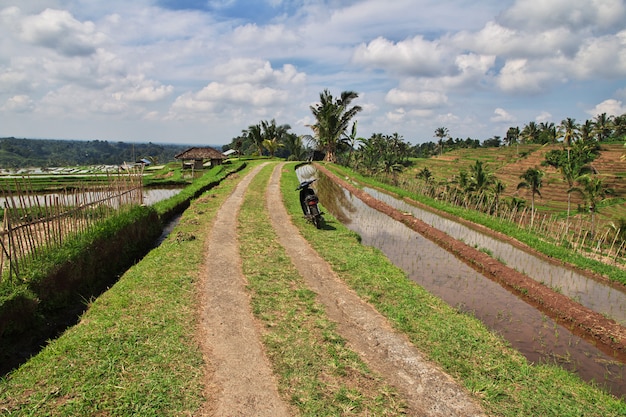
<point>536,336</point>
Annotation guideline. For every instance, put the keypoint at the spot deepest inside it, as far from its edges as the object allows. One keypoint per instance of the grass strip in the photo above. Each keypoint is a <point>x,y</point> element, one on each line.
<point>499,376</point>
<point>503,226</point>
<point>318,373</point>
<point>134,351</point>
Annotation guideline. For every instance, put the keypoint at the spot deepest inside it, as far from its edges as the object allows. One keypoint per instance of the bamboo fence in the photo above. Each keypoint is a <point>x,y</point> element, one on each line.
<point>35,222</point>
<point>576,232</point>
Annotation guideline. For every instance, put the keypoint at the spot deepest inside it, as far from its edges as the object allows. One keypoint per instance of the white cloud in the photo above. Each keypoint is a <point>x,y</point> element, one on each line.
<point>611,107</point>
<point>575,14</point>
<point>141,90</point>
<point>495,39</point>
<point>61,32</point>
<point>14,81</point>
<point>427,99</point>
<point>416,64</point>
<point>219,98</point>
<point>252,34</point>
<point>603,55</point>
<point>543,117</point>
<point>416,56</point>
<point>518,76</point>
<point>502,116</point>
<point>256,71</point>
<point>18,104</point>
<point>77,102</point>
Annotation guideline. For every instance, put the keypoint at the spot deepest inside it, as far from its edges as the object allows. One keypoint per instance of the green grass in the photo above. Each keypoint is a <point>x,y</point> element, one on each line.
<point>499,376</point>
<point>134,351</point>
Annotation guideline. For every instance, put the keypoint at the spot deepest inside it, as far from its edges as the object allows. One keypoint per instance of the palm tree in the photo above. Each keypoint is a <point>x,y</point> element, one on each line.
<point>272,131</point>
<point>619,126</point>
<point>332,119</point>
<point>425,174</point>
<point>295,147</point>
<point>441,133</point>
<point>532,180</point>
<point>547,132</point>
<point>568,130</point>
<point>480,179</point>
<point>512,136</point>
<point>530,133</point>
<point>602,127</point>
<point>592,190</point>
<point>255,133</point>
<point>586,131</point>
<point>272,146</point>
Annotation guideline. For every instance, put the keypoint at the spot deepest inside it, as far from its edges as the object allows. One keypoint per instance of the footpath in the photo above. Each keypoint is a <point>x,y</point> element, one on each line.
<point>239,374</point>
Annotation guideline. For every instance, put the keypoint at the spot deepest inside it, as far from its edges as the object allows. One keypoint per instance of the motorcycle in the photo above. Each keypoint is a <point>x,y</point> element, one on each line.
<point>308,202</point>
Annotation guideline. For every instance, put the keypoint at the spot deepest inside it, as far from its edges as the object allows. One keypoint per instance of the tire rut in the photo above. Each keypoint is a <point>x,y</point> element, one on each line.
<point>426,388</point>
<point>240,380</point>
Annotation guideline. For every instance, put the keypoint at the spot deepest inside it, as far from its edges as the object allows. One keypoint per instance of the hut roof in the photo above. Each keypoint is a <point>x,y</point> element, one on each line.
<point>200,153</point>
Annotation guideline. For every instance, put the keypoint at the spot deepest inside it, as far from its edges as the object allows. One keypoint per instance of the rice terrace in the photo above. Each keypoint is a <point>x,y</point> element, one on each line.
<point>425,292</point>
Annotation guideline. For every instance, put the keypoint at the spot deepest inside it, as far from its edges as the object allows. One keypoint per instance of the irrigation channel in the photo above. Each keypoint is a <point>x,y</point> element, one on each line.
<point>539,338</point>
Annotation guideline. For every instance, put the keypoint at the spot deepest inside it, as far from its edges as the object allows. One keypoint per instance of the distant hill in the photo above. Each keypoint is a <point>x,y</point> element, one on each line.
<point>23,153</point>
<point>509,163</point>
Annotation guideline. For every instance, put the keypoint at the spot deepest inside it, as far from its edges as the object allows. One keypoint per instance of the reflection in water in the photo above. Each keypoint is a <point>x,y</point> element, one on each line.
<point>536,336</point>
<point>154,195</point>
<point>592,294</point>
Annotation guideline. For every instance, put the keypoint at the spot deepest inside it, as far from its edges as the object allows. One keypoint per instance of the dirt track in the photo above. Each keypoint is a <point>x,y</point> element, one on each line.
<point>240,376</point>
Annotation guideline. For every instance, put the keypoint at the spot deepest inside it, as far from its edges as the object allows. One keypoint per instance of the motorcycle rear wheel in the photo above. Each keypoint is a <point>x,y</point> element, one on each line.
<point>316,216</point>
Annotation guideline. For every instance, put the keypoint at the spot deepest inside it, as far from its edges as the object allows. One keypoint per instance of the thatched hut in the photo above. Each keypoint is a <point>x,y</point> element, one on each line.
<point>197,158</point>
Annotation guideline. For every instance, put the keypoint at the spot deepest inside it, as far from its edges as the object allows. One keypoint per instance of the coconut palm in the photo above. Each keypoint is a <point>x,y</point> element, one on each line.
<point>295,146</point>
<point>586,131</point>
<point>272,146</point>
<point>441,133</point>
<point>424,174</point>
<point>480,179</point>
<point>255,133</point>
<point>272,131</point>
<point>619,126</point>
<point>602,127</point>
<point>512,136</point>
<point>530,133</point>
<point>532,180</point>
<point>568,130</point>
<point>332,119</point>
<point>547,132</point>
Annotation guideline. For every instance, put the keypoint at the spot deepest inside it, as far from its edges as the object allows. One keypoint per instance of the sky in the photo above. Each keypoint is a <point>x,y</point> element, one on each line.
<point>199,72</point>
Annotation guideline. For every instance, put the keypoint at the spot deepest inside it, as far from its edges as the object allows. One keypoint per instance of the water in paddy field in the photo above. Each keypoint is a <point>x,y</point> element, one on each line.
<point>536,336</point>
<point>597,296</point>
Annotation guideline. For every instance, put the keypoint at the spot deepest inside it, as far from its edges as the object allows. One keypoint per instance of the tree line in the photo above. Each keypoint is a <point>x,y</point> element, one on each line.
<point>334,134</point>
<point>334,138</point>
<point>46,153</point>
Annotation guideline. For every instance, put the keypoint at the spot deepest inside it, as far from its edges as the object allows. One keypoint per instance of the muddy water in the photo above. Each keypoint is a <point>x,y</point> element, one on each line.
<point>536,336</point>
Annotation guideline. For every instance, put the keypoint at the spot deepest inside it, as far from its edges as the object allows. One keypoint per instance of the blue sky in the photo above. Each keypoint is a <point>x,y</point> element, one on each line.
<point>199,72</point>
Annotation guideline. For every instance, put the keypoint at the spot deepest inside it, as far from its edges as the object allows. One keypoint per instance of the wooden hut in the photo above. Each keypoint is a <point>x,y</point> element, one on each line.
<point>197,158</point>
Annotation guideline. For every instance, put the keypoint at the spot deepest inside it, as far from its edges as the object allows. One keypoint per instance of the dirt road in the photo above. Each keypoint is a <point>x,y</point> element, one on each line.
<point>240,376</point>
